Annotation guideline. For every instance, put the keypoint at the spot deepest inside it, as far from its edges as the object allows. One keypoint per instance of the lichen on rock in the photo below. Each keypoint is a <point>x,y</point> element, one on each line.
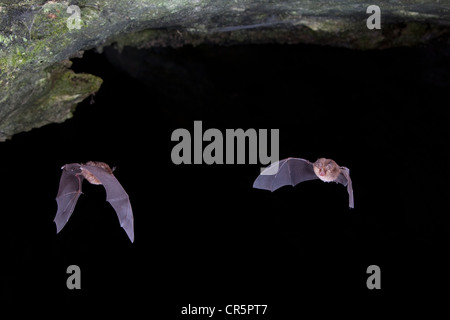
<point>35,39</point>
<point>55,92</point>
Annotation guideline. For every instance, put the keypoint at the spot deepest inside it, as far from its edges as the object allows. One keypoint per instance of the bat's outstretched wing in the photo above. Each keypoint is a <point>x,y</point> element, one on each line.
<point>344,178</point>
<point>290,171</point>
<point>117,196</point>
<point>68,193</point>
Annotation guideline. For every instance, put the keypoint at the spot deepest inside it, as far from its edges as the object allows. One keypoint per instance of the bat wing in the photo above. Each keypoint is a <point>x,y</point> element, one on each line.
<point>68,193</point>
<point>290,171</point>
<point>117,197</point>
<point>344,178</point>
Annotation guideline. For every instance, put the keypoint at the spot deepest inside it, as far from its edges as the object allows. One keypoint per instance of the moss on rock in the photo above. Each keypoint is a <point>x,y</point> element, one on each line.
<point>56,92</point>
<point>35,38</point>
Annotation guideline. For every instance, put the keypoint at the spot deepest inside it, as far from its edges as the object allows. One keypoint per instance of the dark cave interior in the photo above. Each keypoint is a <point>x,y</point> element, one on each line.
<point>203,234</point>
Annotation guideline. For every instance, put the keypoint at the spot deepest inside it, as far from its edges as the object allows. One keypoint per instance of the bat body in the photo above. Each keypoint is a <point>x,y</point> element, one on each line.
<point>292,171</point>
<point>96,173</point>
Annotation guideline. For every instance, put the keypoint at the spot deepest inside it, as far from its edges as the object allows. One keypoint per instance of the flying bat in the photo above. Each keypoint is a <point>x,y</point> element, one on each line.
<point>292,171</point>
<point>96,173</point>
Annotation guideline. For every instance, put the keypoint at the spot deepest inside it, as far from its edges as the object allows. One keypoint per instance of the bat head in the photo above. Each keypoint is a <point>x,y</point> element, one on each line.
<point>326,169</point>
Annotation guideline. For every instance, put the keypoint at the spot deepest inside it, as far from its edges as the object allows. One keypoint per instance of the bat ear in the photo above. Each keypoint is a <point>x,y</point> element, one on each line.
<point>113,168</point>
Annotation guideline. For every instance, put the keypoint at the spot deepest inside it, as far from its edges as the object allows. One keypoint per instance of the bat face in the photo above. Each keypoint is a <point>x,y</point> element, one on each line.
<point>326,169</point>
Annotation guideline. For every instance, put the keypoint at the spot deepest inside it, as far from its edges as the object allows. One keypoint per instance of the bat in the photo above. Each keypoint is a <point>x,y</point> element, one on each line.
<point>292,171</point>
<point>69,191</point>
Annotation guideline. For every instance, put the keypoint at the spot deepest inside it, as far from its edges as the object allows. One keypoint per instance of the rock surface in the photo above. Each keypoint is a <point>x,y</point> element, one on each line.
<point>37,86</point>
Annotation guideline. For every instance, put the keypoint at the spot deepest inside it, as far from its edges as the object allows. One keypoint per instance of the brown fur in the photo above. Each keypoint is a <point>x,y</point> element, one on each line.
<point>89,176</point>
<point>326,169</point>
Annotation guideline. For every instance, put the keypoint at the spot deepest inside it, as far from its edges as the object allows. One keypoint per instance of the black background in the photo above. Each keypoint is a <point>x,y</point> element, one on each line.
<point>203,236</point>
